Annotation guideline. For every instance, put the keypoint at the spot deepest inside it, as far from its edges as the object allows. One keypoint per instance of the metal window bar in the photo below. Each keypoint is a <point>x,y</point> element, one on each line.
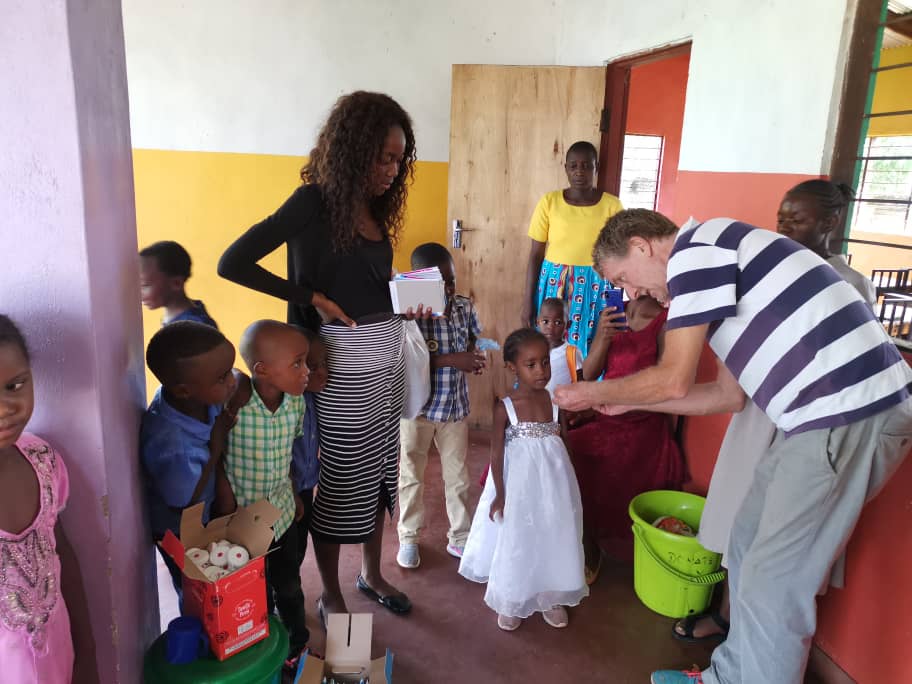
<point>881,158</point>
<point>898,112</point>
<point>890,15</point>
<point>872,242</point>
<point>903,65</point>
<point>892,193</point>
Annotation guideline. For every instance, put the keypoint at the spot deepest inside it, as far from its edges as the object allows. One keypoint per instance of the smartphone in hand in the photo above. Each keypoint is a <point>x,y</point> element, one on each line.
<point>616,299</point>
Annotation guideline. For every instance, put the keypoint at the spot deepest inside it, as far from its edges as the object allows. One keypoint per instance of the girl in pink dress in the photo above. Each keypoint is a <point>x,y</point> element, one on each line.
<point>37,565</point>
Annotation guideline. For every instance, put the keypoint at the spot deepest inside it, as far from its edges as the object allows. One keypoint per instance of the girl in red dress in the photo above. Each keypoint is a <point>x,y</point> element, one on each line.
<point>618,457</point>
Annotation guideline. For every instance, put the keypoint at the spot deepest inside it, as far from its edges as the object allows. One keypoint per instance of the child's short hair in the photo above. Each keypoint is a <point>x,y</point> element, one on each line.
<point>178,342</point>
<point>517,339</point>
<point>172,259</point>
<point>248,347</point>
<point>10,334</point>
<point>554,303</point>
<point>430,254</point>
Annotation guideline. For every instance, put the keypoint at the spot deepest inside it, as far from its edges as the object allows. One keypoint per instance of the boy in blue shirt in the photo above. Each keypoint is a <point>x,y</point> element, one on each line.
<point>184,430</point>
<point>164,268</point>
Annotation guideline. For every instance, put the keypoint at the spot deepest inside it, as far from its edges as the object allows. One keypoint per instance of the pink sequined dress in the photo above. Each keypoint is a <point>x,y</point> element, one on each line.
<point>35,641</point>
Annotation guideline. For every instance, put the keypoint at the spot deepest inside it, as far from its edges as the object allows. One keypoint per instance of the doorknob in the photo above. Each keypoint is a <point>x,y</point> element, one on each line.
<point>458,230</point>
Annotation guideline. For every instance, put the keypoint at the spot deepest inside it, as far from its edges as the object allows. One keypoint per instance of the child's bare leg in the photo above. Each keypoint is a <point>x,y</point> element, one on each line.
<point>327,557</point>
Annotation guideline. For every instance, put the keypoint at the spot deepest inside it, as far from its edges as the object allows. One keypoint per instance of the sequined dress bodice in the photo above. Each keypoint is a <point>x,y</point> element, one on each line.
<point>526,430</point>
<point>518,429</point>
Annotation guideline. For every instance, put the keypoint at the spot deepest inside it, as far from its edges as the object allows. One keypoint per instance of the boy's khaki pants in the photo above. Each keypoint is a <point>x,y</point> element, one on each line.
<point>452,442</point>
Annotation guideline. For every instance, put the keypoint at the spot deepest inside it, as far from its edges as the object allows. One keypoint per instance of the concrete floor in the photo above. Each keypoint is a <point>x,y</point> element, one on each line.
<point>451,636</point>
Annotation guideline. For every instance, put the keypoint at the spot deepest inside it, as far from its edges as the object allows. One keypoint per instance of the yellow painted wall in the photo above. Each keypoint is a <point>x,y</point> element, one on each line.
<point>865,258</point>
<point>893,92</point>
<point>204,200</point>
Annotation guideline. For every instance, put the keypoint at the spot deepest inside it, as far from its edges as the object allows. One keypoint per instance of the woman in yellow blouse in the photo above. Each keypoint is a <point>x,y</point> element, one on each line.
<point>563,229</point>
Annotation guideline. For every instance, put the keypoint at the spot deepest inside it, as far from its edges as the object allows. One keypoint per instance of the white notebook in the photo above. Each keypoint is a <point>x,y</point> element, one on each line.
<point>424,287</point>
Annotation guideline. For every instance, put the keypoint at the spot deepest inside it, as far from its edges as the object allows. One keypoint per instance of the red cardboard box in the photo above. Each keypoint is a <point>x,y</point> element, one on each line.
<point>232,609</point>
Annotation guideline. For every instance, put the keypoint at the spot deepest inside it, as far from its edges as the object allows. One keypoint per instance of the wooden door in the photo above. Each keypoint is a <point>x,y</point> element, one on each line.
<point>510,127</point>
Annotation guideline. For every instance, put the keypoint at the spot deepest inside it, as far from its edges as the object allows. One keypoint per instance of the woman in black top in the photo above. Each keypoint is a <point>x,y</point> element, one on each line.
<point>339,228</point>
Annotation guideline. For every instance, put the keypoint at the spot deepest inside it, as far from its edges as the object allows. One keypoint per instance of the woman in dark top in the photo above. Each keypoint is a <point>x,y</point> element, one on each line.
<point>339,228</point>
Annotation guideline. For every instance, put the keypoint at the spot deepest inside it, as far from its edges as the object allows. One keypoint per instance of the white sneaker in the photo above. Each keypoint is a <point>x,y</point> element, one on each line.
<point>408,556</point>
<point>455,551</point>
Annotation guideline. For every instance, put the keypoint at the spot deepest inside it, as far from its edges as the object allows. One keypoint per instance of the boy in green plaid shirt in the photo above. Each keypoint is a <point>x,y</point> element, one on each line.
<point>257,464</point>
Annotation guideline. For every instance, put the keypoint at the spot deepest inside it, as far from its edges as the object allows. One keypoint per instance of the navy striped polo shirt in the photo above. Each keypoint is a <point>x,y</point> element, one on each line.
<point>804,345</point>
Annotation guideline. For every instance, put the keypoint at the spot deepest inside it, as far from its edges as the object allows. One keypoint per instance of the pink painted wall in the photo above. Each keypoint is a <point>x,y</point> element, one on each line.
<point>70,280</point>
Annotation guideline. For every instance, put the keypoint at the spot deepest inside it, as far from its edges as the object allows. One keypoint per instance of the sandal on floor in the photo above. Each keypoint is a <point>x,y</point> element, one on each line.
<point>396,603</point>
<point>689,623</point>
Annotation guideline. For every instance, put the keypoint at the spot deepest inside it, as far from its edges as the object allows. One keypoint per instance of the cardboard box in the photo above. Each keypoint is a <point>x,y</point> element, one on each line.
<point>232,609</point>
<point>348,650</point>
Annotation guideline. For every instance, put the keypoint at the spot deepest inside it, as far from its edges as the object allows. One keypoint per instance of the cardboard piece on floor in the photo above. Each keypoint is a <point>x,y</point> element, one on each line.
<point>348,649</point>
<point>232,609</point>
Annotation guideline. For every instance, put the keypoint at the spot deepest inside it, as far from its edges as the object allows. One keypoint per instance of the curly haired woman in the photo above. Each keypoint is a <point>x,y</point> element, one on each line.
<point>339,228</point>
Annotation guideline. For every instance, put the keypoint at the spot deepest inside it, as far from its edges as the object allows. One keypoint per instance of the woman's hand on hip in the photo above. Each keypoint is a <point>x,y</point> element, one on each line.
<point>330,311</point>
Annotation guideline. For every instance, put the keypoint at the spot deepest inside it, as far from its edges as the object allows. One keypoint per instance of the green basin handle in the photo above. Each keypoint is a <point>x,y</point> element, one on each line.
<point>700,580</point>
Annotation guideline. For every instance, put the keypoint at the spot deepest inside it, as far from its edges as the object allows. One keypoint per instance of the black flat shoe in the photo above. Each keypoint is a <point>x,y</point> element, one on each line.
<point>397,603</point>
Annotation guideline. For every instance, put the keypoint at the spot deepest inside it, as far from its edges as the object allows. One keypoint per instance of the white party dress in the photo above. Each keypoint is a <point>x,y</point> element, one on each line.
<point>532,559</point>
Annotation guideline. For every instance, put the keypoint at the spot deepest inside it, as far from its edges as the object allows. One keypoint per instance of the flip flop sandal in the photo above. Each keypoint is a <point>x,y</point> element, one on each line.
<point>689,623</point>
<point>398,603</point>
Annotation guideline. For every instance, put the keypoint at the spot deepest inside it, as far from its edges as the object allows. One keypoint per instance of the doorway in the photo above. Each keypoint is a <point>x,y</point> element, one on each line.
<point>642,124</point>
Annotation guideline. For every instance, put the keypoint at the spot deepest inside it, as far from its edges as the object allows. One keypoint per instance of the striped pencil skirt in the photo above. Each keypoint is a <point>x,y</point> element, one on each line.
<point>358,414</point>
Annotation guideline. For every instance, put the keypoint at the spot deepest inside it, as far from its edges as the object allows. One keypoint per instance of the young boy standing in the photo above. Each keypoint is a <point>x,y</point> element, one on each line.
<point>566,360</point>
<point>164,268</point>
<point>184,430</point>
<point>305,463</point>
<point>451,343</point>
<point>257,463</point>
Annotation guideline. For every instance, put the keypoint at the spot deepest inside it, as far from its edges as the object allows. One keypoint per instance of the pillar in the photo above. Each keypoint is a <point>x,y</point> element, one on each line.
<point>69,279</point>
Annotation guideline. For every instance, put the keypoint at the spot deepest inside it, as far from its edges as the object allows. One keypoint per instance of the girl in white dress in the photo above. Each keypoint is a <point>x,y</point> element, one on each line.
<point>526,536</point>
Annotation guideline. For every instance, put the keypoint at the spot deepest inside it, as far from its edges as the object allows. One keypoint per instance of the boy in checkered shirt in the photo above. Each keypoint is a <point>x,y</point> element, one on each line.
<point>257,463</point>
<point>451,342</point>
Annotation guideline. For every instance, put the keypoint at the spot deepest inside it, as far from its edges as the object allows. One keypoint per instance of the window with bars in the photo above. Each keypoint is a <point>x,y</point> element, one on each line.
<point>883,172</point>
<point>640,171</point>
<point>885,185</point>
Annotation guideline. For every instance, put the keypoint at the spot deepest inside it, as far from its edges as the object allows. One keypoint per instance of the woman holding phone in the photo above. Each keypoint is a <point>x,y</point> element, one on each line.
<point>618,457</point>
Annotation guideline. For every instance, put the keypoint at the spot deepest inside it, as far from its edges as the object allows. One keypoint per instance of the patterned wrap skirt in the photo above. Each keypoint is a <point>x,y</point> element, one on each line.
<point>358,414</point>
<point>585,294</point>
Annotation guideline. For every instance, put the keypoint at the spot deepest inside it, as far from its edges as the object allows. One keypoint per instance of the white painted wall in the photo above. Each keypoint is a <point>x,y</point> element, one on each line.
<point>260,75</point>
